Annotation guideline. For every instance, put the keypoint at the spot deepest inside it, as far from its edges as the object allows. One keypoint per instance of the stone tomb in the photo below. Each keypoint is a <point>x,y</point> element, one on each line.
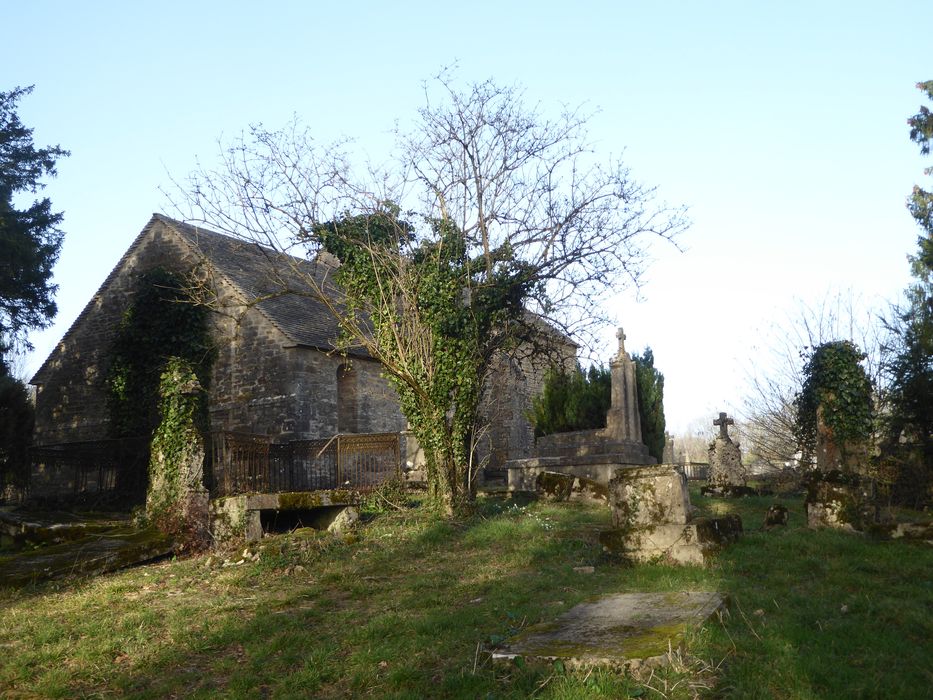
<point>591,454</point>
<point>246,517</point>
<point>629,631</point>
<point>651,519</point>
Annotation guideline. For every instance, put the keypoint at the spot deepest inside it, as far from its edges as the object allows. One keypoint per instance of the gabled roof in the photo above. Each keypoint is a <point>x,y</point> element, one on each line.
<point>275,283</point>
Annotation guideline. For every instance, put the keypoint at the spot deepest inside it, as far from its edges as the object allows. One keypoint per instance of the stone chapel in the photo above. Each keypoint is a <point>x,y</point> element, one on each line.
<point>277,371</point>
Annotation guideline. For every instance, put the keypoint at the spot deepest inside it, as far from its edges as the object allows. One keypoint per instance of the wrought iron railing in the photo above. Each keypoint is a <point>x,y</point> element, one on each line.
<point>75,470</point>
<point>244,463</point>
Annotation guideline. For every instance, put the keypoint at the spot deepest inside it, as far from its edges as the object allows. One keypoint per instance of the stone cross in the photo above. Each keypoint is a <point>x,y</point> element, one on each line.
<point>620,334</point>
<point>723,422</point>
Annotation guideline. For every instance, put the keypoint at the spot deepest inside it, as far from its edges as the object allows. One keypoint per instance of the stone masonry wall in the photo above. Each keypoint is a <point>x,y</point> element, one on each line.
<point>71,399</point>
<point>510,388</point>
<point>261,382</point>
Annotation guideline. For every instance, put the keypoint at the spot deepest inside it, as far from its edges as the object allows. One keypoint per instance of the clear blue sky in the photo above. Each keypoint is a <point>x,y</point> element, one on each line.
<point>783,128</point>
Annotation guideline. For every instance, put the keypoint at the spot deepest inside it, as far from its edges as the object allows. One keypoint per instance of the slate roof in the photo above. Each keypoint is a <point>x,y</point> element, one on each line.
<point>279,281</point>
<point>255,272</point>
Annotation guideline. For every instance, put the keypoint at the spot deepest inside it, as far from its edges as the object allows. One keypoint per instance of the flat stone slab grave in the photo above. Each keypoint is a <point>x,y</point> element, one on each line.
<point>623,630</point>
<point>91,555</point>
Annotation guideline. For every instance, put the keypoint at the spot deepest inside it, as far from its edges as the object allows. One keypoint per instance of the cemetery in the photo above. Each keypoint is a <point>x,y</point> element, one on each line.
<point>638,581</point>
<point>347,432</point>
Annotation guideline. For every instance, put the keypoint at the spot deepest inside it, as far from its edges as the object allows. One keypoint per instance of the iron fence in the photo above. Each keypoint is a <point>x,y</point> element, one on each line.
<point>244,462</point>
<point>68,471</point>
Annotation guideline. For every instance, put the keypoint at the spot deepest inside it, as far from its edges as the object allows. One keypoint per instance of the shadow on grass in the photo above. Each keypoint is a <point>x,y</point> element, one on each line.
<point>411,618</point>
<point>408,609</point>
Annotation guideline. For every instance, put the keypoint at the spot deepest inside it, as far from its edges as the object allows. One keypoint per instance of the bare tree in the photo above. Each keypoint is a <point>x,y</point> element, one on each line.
<point>767,410</point>
<point>495,226</point>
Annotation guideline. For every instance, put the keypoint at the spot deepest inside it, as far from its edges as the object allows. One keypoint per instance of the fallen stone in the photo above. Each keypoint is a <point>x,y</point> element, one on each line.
<point>914,531</point>
<point>90,556</point>
<point>344,520</point>
<point>775,517</point>
<point>627,631</point>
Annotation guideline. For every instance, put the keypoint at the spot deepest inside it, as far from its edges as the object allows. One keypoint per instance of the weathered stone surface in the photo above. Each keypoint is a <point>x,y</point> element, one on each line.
<point>236,518</point>
<point>725,463</point>
<point>914,531</point>
<point>344,520</point>
<point>91,555</point>
<point>623,421</point>
<point>589,490</point>
<point>693,543</point>
<point>554,485</point>
<point>652,519</point>
<point>21,526</point>
<point>775,517</point>
<point>648,496</point>
<point>838,501</point>
<point>627,630</point>
<point>833,454</point>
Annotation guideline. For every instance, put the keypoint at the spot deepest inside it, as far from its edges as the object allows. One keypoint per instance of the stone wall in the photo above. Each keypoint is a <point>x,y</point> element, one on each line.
<point>71,399</point>
<point>512,385</point>
<point>261,381</point>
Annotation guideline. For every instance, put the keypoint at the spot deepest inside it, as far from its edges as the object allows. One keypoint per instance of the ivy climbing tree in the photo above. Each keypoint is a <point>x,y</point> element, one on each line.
<point>504,227</point>
<point>836,397</point>
<point>176,500</point>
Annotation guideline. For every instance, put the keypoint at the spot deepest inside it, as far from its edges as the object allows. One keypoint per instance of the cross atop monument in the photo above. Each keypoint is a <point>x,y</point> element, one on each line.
<point>620,334</point>
<point>723,422</point>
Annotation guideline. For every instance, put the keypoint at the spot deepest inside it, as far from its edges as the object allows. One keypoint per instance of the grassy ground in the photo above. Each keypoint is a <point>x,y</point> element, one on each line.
<point>405,607</point>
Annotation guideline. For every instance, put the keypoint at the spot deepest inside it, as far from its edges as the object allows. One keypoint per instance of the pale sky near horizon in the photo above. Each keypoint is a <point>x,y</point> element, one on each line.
<point>782,127</point>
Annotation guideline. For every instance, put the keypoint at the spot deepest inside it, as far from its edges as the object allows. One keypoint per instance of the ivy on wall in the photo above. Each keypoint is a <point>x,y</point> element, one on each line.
<point>160,323</point>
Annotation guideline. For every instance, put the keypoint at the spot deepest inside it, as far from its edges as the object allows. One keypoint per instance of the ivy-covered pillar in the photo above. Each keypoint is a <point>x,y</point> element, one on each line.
<point>177,501</point>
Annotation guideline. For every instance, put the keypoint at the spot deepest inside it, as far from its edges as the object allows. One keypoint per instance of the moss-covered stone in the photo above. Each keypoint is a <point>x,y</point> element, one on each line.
<point>555,485</point>
<point>622,630</point>
<point>93,555</point>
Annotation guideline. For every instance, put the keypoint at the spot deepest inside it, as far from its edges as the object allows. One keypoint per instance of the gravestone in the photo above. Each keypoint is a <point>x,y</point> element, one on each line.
<point>668,456</point>
<point>725,458</point>
<point>626,631</point>
<point>832,454</point>
<point>651,519</point>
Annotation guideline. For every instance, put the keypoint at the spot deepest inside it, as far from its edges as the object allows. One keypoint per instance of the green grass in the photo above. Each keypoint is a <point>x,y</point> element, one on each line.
<point>406,607</point>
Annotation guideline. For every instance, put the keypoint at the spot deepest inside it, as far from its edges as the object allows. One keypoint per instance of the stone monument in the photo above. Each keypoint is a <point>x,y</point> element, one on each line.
<point>668,457</point>
<point>623,422</point>
<point>725,458</point>
<point>651,519</point>
<point>591,454</point>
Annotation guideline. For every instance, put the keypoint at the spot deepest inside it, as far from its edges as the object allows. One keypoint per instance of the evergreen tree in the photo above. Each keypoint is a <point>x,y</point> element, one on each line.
<point>30,239</point>
<point>570,401</point>
<point>650,383</point>
<point>909,365</point>
<point>16,420</point>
